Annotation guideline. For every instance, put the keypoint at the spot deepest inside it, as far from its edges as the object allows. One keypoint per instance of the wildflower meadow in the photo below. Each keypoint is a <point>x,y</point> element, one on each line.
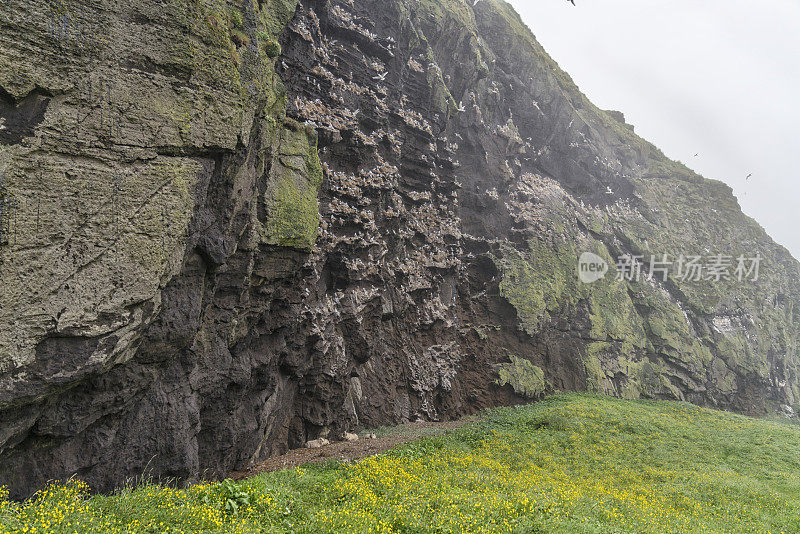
<point>571,463</point>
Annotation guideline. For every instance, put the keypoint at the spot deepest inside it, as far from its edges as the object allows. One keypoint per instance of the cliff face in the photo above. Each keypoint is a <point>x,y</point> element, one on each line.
<point>245,225</point>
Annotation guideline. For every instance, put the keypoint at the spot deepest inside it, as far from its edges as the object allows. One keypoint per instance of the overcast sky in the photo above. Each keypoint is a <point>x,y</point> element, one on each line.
<point>716,77</point>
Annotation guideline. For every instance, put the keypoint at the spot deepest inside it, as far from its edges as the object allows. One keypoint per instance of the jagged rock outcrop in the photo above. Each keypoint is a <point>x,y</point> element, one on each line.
<point>245,226</point>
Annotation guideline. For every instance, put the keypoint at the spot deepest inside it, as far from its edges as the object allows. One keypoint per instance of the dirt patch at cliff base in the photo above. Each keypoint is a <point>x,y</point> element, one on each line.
<point>352,450</point>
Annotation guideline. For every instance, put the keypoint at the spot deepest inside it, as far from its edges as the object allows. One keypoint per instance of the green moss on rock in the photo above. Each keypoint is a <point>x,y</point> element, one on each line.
<point>527,380</point>
<point>271,47</point>
<point>538,282</point>
<point>291,197</point>
<point>277,14</point>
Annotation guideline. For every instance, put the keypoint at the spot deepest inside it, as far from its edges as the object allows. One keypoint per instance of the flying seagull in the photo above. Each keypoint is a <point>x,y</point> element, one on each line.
<point>697,154</point>
<point>380,77</point>
<point>748,176</point>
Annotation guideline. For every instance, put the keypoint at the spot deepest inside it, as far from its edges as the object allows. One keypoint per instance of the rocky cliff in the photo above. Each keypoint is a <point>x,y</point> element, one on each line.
<point>241,225</point>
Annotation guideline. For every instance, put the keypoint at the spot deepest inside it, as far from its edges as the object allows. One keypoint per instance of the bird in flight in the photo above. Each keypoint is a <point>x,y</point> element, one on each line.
<point>697,154</point>
<point>748,176</point>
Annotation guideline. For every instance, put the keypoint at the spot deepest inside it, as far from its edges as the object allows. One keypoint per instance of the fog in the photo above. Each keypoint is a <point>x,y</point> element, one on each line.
<point>718,78</point>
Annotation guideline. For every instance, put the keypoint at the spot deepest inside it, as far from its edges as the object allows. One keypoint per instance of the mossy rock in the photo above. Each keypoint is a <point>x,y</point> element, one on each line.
<point>239,37</point>
<point>292,207</point>
<point>271,47</point>
<point>235,18</point>
<point>527,380</point>
<point>538,282</point>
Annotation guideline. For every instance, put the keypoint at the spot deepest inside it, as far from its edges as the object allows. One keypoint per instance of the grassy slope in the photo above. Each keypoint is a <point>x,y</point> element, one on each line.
<point>572,463</point>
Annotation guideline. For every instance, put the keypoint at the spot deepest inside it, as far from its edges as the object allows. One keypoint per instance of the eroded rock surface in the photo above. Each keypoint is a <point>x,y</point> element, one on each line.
<point>246,226</point>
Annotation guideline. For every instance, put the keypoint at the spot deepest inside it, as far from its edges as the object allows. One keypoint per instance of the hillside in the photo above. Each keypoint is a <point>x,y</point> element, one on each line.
<point>240,226</point>
<point>568,464</point>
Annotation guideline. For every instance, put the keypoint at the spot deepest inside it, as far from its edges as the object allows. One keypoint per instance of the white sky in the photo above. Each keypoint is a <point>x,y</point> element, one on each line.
<point>716,77</point>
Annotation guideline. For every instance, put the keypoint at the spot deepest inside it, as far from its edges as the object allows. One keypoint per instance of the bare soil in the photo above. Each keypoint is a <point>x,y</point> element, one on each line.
<point>352,450</point>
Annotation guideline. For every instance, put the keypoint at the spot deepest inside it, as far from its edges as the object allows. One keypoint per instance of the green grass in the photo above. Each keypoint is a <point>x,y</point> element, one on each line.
<point>571,463</point>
